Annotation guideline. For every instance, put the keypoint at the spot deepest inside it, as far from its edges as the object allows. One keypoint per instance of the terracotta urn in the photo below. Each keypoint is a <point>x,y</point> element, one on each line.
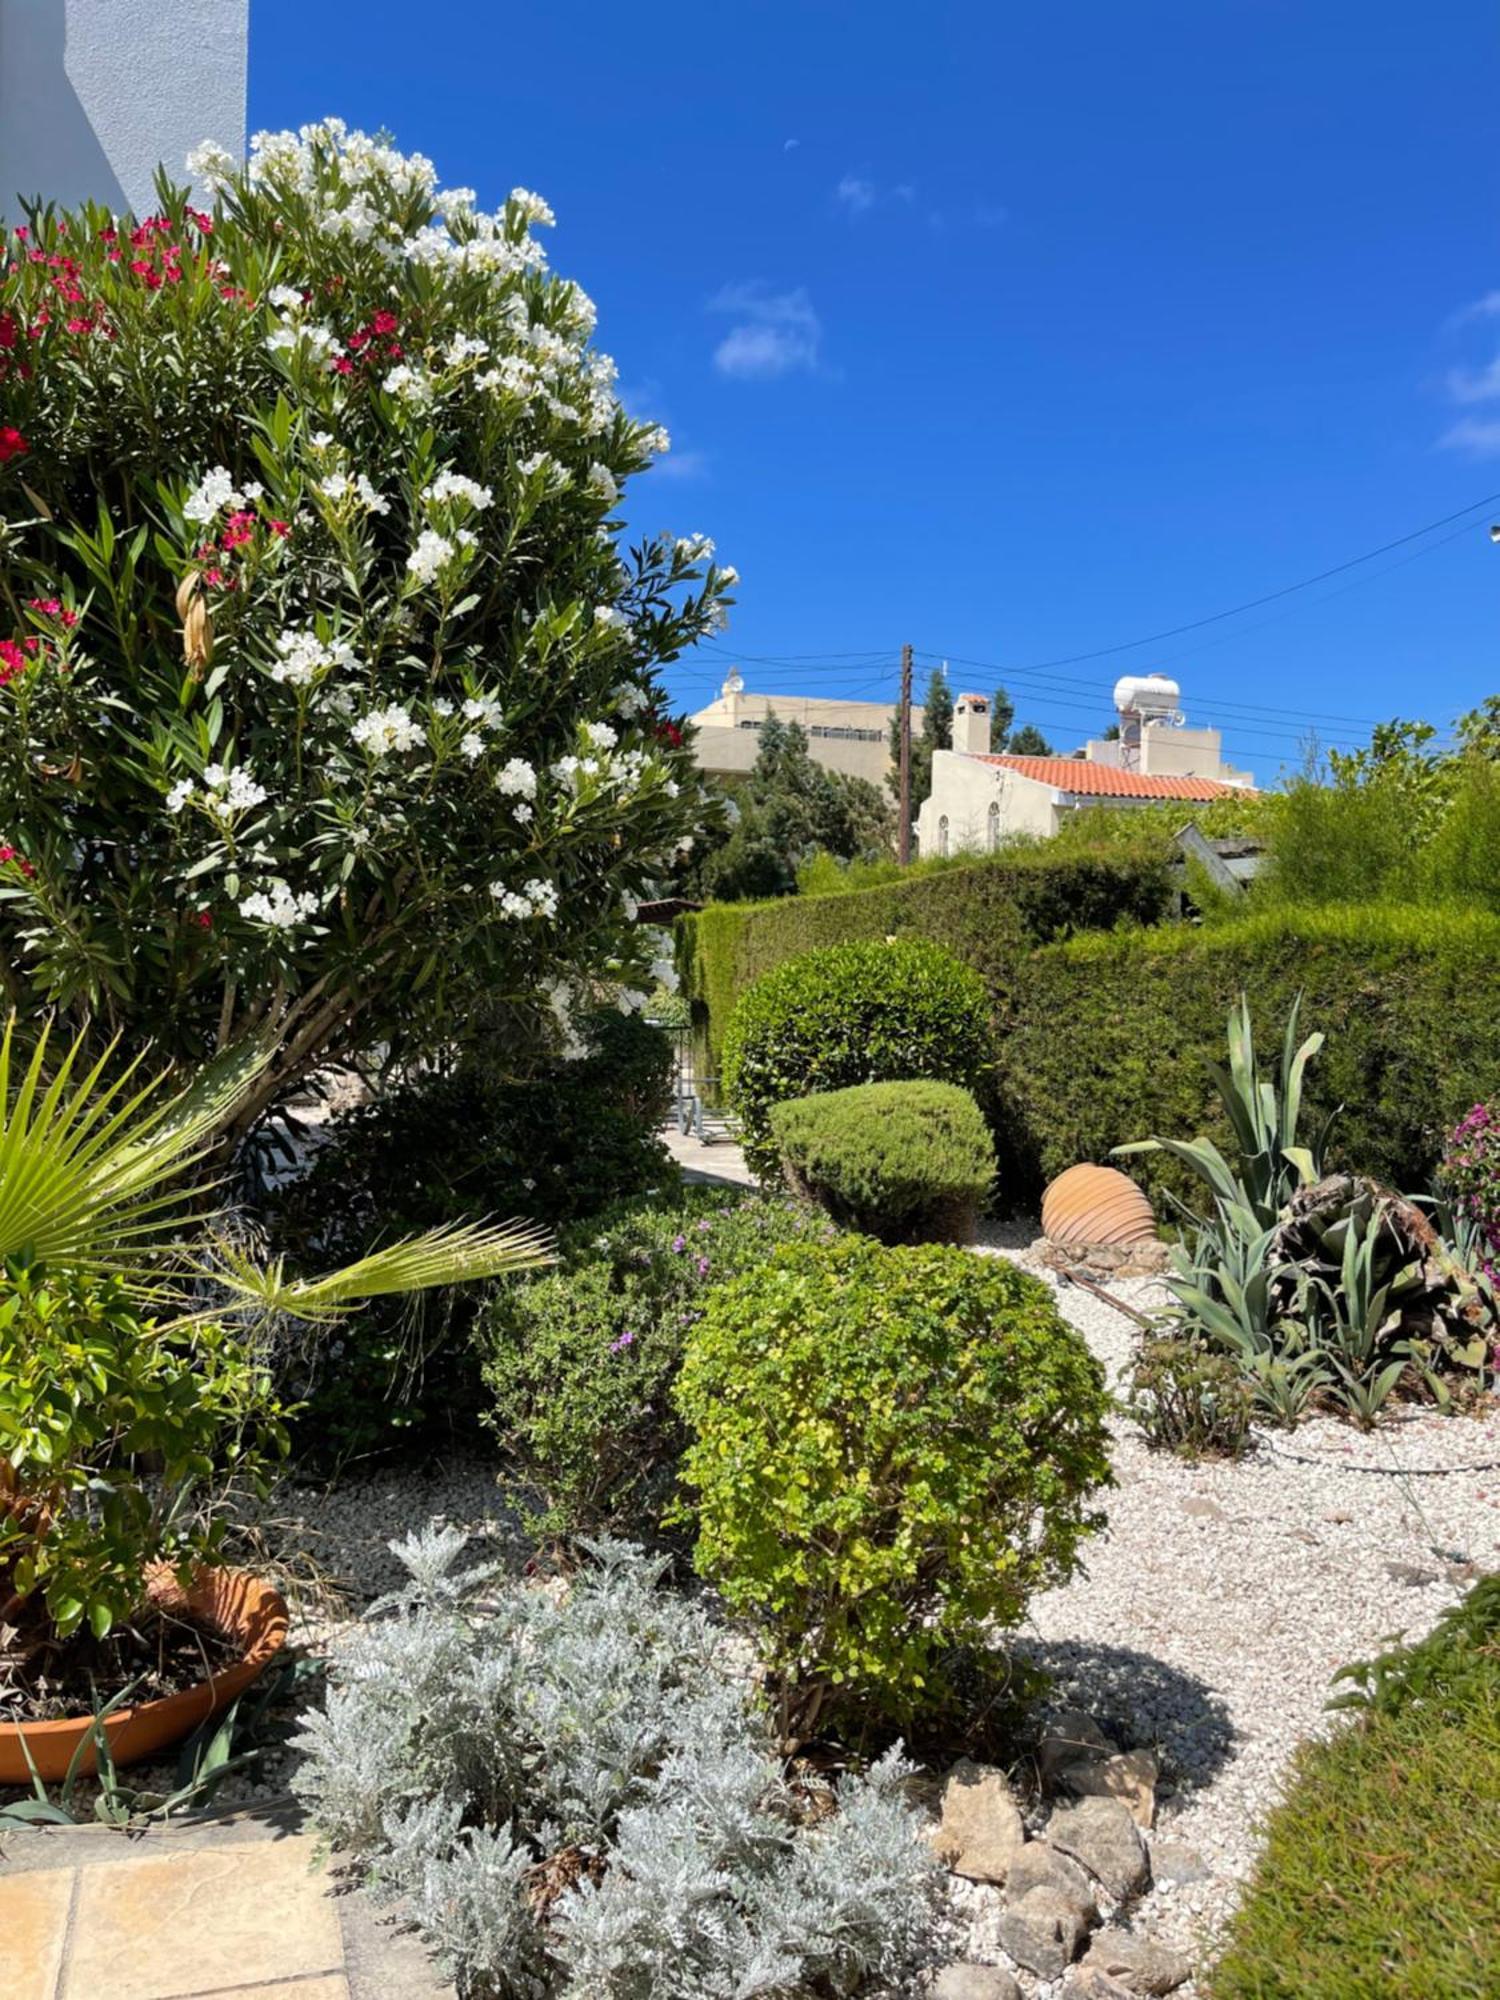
<point>246,1611</point>
<point>1090,1204</point>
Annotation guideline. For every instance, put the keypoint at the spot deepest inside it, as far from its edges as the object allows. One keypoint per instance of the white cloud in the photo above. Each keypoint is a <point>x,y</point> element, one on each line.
<point>681,465</point>
<point>854,194</point>
<point>791,145</point>
<point>775,333</point>
<point>1478,436</point>
<point>1471,385</point>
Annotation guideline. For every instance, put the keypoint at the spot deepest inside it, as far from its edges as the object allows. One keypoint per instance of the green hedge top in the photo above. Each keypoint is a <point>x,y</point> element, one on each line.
<point>902,1161</point>
<point>1106,1039</point>
<point>988,912</point>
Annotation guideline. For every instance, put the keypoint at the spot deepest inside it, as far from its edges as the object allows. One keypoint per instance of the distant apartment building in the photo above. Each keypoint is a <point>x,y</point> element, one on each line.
<point>980,799</point>
<point>853,737</point>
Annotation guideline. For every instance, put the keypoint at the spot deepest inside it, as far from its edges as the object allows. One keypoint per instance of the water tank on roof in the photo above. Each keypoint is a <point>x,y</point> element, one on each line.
<point>1147,696</point>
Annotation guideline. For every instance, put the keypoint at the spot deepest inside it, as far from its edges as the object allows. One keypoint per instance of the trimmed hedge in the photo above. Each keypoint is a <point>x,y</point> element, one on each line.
<point>989,912</point>
<point>854,1013</point>
<point>1381,1872</point>
<point>903,1162</point>
<point>1106,1039</point>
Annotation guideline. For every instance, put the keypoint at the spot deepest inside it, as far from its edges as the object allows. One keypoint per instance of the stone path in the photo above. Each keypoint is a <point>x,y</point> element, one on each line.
<point>236,1905</point>
<point>715,1163</point>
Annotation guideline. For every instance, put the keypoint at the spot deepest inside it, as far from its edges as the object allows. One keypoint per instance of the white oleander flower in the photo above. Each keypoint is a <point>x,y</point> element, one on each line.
<point>454,486</point>
<point>214,491</point>
<point>630,700</point>
<point>695,548</point>
<point>211,165</point>
<point>430,554</point>
<point>304,657</point>
<point>465,347</point>
<point>409,385</point>
<point>231,792</point>
<point>601,735</point>
<point>472,745</point>
<point>611,618</point>
<point>523,812</point>
<point>386,729</point>
<point>280,907</point>
<point>533,209</point>
<point>517,780</point>
<point>442,706</point>
<point>483,709</point>
<point>602,483</point>
<point>179,795</point>
<point>285,298</point>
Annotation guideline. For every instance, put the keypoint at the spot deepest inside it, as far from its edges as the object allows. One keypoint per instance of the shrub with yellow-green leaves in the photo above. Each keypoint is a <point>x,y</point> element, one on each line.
<point>892,1449</point>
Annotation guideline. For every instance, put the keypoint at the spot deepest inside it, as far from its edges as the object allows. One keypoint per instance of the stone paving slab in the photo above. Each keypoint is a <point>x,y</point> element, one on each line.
<point>198,1910</point>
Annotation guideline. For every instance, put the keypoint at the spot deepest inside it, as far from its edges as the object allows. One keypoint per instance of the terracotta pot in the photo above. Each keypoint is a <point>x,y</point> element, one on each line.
<point>245,1610</point>
<point>1090,1204</point>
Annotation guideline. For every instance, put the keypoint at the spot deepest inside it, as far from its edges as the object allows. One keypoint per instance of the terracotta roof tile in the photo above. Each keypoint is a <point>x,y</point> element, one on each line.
<point>1106,781</point>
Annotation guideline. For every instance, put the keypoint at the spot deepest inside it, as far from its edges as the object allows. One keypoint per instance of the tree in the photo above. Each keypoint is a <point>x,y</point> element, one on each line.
<point>1028,741</point>
<point>789,808</point>
<point>1002,715</point>
<point>330,706</point>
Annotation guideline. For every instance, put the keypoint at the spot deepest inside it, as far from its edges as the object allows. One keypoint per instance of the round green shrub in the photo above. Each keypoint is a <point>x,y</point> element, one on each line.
<point>904,1162</point>
<point>852,1013</point>
<point>891,1449</point>
<point>579,1364</point>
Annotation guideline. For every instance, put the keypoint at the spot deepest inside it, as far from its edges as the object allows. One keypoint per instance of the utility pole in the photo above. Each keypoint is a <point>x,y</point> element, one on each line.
<point>903,834</point>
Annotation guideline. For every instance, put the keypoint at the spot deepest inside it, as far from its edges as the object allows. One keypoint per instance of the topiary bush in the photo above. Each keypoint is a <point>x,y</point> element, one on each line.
<point>891,1450</point>
<point>566,1141</point>
<point>904,1162</point>
<point>573,1796</point>
<point>579,1367</point>
<point>854,1013</point>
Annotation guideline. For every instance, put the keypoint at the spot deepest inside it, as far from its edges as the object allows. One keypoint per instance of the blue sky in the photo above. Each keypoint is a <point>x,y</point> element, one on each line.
<point>1016,332</point>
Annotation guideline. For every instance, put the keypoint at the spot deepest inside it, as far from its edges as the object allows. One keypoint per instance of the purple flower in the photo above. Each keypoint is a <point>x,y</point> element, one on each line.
<point>704,1226</point>
<point>625,1340</point>
<point>702,1267</point>
<point>679,1244</point>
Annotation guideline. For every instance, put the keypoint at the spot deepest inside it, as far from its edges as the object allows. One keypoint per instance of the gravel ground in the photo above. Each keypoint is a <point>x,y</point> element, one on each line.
<point>1223,1596</point>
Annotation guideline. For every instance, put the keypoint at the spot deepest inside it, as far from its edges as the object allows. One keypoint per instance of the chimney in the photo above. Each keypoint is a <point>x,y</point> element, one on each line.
<point>971,724</point>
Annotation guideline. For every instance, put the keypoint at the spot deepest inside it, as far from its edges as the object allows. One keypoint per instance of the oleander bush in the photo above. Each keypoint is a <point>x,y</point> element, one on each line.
<point>329,696</point>
<point>1470,1176</point>
<point>1381,1869</point>
<point>854,1013</point>
<point>891,1450</point>
<point>579,1366</point>
<point>567,1140</point>
<point>573,1796</point>
<point>903,1162</point>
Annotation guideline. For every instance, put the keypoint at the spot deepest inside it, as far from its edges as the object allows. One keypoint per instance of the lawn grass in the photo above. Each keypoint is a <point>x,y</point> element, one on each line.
<point>1381,1873</point>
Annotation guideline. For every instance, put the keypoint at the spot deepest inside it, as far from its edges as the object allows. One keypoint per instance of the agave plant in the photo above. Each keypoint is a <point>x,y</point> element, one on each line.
<point>94,1178</point>
<point>1270,1163</point>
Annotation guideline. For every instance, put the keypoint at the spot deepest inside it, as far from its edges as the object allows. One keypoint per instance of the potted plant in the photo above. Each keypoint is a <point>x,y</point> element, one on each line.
<point>135,1401</point>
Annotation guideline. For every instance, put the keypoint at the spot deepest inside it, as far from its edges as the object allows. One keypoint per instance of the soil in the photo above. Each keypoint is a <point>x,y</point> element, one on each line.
<point>46,1679</point>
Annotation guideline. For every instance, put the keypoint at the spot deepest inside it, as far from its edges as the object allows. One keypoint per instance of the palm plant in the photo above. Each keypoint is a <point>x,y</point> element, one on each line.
<point>93,1167</point>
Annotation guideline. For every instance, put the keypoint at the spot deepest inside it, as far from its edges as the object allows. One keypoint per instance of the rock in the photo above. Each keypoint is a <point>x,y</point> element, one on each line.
<point>1086,1982</point>
<point>1204,1508</point>
<point>1139,1964</point>
<point>1411,1574</point>
<point>1129,1776</point>
<point>1071,1737</point>
<point>1042,1932</point>
<point>1171,1861</point>
<point>1039,1865</point>
<point>973,1982</point>
<point>979,1832</point>
<point>1101,1833</point>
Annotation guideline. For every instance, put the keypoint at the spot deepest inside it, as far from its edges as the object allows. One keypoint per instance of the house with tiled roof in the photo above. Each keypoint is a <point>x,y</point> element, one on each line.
<point>981,798</point>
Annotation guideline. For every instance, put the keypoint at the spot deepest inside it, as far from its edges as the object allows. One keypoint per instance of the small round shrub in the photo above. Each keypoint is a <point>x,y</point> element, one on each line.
<point>891,1449</point>
<point>1190,1399</point>
<point>872,1012</point>
<point>904,1162</point>
<point>579,1364</point>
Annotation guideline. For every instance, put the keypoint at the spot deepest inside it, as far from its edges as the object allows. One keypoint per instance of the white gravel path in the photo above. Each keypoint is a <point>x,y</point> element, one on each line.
<point>1223,1596</point>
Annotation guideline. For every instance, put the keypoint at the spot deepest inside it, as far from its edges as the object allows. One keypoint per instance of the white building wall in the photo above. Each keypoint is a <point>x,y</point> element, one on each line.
<point>95,93</point>
<point>963,790</point>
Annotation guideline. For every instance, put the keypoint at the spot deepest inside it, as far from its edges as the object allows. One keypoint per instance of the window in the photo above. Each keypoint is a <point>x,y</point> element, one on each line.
<point>942,847</point>
<point>994,824</point>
